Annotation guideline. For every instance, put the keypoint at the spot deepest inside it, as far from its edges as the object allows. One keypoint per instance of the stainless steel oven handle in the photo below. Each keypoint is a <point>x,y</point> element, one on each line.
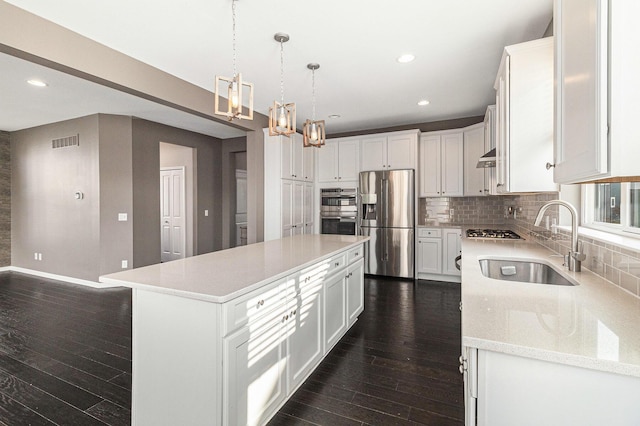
<point>345,218</point>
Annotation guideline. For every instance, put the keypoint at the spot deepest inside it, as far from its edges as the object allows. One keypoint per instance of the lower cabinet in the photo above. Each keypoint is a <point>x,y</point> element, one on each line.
<point>254,382</point>
<point>270,356</point>
<point>504,389</point>
<point>437,249</point>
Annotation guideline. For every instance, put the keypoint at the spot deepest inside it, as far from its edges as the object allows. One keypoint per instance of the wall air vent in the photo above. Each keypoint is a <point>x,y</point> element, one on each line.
<point>66,142</point>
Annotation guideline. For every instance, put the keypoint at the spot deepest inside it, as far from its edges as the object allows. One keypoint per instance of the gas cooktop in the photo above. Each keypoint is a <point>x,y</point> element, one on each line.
<point>493,233</point>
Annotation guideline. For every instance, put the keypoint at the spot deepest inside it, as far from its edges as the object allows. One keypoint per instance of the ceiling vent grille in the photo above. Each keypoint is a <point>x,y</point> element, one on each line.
<point>66,142</point>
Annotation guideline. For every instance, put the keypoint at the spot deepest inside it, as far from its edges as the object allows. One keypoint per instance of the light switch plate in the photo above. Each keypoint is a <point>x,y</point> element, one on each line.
<point>125,264</point>
<point>206,212</point>
<point>122,217</point>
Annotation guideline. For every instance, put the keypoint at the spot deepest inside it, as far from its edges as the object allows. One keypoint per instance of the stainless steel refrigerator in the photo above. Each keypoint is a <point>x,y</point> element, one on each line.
<point>387,206</point>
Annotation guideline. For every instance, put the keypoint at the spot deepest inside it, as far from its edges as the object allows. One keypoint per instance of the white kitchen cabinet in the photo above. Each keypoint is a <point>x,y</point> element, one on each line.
<point>293,208</point>
<point>254,382</point>
<point>290,200</point>
<point>338,160</point>
<point>507,389</point>
<point>430,255</point>
<point>307,207</point>
<point>389,151</point>
<point>304,326</point>
<point>355,291</point>
<point>436,250</point>
<point>489,144</point>
<point>451,242</point>
<point>597,90</point>
<point>441,164</point>
<point>474,147</point>
<point>335,309</point>
<point>524,118</point>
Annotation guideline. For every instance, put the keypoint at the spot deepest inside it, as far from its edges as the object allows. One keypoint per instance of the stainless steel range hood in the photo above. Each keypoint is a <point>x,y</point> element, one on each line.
<point>487,160</point>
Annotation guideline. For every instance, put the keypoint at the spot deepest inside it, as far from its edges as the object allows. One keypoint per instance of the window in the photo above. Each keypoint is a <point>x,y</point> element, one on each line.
<point>614,207</point>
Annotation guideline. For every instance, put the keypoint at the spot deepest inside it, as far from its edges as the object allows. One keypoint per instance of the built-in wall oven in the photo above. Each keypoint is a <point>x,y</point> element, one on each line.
<point>339,211</point>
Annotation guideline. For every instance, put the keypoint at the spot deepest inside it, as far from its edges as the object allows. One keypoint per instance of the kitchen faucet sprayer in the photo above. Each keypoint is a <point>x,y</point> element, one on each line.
<point>575,256</point>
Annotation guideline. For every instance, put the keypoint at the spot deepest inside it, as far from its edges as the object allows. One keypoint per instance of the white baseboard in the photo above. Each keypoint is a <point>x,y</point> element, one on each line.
<point>72,280</point>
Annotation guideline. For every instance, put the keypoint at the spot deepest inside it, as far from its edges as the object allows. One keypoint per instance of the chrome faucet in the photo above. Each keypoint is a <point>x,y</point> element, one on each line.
<point>575,257</point>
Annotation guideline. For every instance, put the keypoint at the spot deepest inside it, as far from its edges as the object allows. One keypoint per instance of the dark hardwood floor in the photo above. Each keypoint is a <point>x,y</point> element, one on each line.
<point>65,358</point>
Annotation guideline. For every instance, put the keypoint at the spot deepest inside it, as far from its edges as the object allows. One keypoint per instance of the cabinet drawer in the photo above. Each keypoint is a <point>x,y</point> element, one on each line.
<point>354,254</point>
<point>249,307</point>
<point>429,232</point>
<point>336,263</point>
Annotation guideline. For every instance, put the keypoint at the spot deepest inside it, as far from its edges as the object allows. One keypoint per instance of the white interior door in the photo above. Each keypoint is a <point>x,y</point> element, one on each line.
<point>172,213</point>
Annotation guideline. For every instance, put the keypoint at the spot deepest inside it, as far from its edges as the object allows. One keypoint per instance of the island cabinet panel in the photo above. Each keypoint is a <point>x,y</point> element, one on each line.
<point>236,361</point>
<point>177,360</point>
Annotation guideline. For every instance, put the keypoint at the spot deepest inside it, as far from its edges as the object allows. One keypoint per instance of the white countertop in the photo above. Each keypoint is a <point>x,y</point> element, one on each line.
<point>224,275</point>
<point>593,325</point>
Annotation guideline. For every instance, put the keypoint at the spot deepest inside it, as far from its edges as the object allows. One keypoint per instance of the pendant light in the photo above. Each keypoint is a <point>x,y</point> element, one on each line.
<point>313,132</point>
<point>235,87</point>
<point>282,117</point>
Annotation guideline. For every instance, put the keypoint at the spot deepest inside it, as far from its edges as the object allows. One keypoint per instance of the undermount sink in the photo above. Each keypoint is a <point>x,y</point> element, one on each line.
<point>528,271</point>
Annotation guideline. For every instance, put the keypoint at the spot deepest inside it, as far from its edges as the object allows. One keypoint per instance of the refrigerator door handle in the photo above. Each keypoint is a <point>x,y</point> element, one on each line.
<point>385,190</point>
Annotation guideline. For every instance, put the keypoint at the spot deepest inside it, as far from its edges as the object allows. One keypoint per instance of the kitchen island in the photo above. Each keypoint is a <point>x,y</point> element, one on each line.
<point>546,354</point>
<point>226,337</point>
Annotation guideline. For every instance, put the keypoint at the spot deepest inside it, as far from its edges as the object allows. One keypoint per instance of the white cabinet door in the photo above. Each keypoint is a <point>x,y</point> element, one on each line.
<point>474,148</point>
<point>581,142</point>
<point>286,153</point>
<point>286,197</point>
<point>502,131</point>
<point>430,255</point>
<point>470,383</point>
<point>355,291</point>
<point>297,207</point>
<point>335,309</point>
<point>308,208</point>
<point>254,373</point>
<point>349,160</point>
<point>373,154</point>
<point>297,160</point>
<point>402,151</point>
<point>328,162</point>
<point>308,163</point>
<point>451,249</point>
<point>430,166</point>
<point>451,151</point>
<point>304,328</point>
<point>490,143</point>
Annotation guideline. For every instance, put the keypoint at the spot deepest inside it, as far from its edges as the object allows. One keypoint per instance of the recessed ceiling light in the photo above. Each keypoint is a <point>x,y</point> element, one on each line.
<point>334,116</point>
<point>407,57</point>
<point>423,102</point>
<point>37,83</point>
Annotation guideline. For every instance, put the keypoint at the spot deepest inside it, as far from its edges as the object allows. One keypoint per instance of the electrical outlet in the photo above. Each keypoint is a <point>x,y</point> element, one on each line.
<point>125,264</point>
<point>206,212</point>
<point>122,217</point>
<point>35,256</point>
<point>39,256</point>
<point>450,212</point>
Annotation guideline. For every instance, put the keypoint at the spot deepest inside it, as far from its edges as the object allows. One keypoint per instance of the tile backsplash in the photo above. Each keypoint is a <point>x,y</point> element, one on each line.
<point>617,264</point>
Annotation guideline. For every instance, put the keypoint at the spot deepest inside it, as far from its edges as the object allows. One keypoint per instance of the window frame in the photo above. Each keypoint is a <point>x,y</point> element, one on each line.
<point>588,212</point>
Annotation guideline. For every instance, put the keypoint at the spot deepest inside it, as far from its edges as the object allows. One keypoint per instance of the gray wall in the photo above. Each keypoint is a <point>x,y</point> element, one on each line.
<point>116,195</point>
<point>146,188</point>
<point>46,216</point>
<point>5,199</point>
<point>230,147</point>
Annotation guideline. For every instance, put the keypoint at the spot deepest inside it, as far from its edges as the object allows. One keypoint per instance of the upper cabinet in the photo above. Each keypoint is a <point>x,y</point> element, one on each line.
<point>441,162</point>
<point>597,90</point>
<point>524,118</point>
<point>389,151</point>
<point>475,147</point>
<point>297,161</point>
<point>338,160</point>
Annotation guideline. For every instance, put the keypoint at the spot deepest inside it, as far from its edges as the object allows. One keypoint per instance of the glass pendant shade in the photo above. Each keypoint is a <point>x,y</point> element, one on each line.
<point>313,133</point>
<point>238,92</point>
<point>282,119</point>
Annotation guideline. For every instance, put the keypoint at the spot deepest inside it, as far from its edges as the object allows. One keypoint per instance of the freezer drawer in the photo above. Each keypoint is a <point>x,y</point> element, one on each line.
<point>389,252</point>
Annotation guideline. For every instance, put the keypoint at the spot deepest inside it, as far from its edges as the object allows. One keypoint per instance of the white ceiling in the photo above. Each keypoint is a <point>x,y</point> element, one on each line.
<point>457,44</point>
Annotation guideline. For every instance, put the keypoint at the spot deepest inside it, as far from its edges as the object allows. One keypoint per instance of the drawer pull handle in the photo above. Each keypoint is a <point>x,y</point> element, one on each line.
<point>337,264</point>
<point>260,303</point>
<point>357,253</point>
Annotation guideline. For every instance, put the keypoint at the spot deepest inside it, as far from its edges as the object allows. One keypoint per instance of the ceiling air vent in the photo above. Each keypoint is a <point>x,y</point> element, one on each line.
<point>65,142</point>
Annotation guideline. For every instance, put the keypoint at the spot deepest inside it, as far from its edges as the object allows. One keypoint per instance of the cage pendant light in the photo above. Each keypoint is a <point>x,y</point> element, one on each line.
<point>313,132</point>
<point>233,105</point>
<point>282,116</point>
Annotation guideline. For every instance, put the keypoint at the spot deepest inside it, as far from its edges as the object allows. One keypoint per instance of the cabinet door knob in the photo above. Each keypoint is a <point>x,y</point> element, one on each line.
<point>549,165</point>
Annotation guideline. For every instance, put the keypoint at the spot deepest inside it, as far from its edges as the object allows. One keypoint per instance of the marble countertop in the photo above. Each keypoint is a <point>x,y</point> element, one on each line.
<point>593,325</point>
<point>224,275</point>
